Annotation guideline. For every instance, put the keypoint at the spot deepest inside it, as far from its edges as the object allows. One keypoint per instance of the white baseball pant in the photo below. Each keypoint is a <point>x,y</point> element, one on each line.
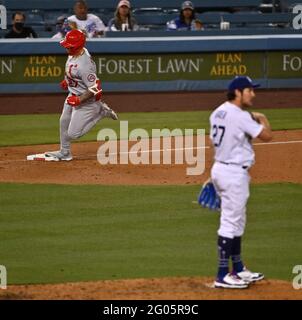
<point>232,185</point>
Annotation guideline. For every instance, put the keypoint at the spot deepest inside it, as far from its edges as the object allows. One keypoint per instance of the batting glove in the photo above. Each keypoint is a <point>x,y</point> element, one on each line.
<point>64,85</point>
<point>74,101</point>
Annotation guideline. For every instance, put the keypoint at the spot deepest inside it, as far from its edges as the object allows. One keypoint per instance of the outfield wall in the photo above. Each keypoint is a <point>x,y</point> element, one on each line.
<point>157,63</point>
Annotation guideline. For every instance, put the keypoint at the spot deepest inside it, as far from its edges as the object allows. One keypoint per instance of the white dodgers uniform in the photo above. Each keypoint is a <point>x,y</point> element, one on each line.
<point>90,26</point>
<point>232,130</point>
<point>80,74</point>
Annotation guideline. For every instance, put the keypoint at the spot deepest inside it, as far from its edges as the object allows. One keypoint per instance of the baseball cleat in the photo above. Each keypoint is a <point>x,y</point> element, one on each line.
<point>249,276</point>
<point>58,156</point>
<point>231,281</point>
<point>108,112</point>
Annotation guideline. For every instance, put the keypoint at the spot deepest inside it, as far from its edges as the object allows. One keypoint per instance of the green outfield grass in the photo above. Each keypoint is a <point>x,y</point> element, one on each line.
<point>57,233</point>
<point>42,129</point>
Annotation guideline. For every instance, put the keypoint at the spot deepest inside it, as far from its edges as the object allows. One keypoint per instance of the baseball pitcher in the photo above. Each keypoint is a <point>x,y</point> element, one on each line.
<point>232,131</point>
<point>83,107</point>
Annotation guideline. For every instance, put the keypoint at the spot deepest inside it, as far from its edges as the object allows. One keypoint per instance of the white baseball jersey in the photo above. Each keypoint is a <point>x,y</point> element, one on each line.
<point>91,25</point>
<point>232,130</point>
<point>80,73</point>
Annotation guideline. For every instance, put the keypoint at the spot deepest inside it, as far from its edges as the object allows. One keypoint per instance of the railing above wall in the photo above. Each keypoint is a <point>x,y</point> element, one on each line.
<point>159,44</point>
<point>186,63</point>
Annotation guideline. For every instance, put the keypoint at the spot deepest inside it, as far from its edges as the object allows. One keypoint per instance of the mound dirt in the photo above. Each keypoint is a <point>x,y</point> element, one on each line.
<point>189,288</point>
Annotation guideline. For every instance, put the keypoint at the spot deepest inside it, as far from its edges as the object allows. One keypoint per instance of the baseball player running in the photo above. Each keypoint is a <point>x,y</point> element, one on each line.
<point>232,130</point>
<point>83,107</point>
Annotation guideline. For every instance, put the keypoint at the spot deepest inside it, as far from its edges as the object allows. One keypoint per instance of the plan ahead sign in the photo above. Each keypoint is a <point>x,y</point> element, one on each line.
<point>120,68</point>
<point>163,68</point>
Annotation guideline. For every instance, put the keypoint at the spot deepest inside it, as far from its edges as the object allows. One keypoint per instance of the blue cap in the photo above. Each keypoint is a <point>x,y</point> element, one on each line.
<point>242,83</point>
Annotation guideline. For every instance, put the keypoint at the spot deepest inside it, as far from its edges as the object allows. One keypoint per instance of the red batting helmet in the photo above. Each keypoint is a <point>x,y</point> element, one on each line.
<point>74,40</point>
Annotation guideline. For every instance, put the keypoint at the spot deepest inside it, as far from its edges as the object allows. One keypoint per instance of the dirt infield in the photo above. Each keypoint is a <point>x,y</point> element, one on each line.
<point>153,289</point>
<point>283,152</point>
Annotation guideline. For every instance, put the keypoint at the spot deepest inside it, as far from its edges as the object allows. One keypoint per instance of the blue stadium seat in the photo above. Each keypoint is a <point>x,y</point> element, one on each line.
<point>34,19</point>
<point>37,28</point>
<point>154,21</point>
<point>50,17</point>
<point>67,4</point>
<point>213,18</point>
<point>38,4</point>
<point>292,2</point>
<point>244,19</point>
<point>45,34</point>
<point>261,18</point>
<point>2,33</point>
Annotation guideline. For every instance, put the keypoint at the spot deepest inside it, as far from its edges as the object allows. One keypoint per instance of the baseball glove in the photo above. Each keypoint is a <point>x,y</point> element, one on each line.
<point>208,197</point>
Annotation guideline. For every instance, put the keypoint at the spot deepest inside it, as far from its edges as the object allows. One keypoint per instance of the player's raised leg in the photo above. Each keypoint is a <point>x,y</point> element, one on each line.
<point>85,118</point>
<point>107,112</point>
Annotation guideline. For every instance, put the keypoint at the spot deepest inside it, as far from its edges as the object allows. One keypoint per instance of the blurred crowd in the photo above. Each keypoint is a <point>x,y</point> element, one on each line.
<point>124,20</point>
<point>94,27</point>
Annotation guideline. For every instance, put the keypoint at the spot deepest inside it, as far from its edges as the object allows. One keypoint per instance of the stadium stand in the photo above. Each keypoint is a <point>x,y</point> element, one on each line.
<point>154,14</point>
<point>154,21</point>
<point>34,19</point>
<point>247,19</point>
<point>104,4</point>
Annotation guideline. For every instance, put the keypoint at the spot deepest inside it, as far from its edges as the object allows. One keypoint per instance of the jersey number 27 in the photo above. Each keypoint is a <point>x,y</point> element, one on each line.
<point>218,134</point>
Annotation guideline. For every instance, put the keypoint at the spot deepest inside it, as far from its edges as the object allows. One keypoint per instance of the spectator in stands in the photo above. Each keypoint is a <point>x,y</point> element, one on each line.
<point>186,19</point>
<point>62,27</point>
<point>89,23</point>
<point>198,25</point>
<point>18,29</point>
<point>123,21</point>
